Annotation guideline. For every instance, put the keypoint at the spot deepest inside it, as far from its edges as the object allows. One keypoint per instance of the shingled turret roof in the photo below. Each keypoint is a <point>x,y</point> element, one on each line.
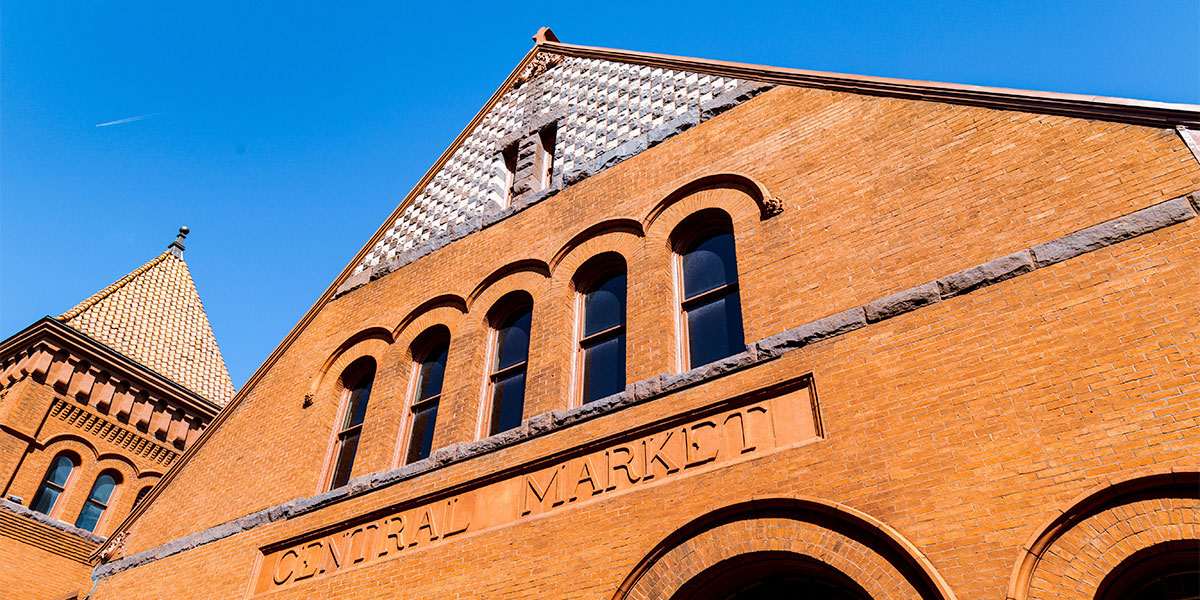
<point>154,316</point>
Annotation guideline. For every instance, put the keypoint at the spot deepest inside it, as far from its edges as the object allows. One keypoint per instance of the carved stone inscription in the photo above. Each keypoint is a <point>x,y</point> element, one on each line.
<point>383,538</point>
<point>663,453</point>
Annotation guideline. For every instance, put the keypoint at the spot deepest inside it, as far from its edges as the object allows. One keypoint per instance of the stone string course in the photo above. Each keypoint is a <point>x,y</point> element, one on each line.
<point>605,112</point>
<point>13,507</point>
<point>1093,238</point>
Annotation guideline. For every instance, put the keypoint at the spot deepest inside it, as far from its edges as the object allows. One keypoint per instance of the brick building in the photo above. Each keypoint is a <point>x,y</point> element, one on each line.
<point>95,406</point>
<point>660,327</point>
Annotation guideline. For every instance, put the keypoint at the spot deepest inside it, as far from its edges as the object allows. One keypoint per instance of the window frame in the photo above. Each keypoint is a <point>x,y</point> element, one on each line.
<point>508,162</point>
<point>502,311</point>
<point>104,506</point>
<point>546,139</point>
<point>690,232</point>
<point>422,347</point>
<point>594,270</point>
<point>355,372</point>
<point>56,506</point>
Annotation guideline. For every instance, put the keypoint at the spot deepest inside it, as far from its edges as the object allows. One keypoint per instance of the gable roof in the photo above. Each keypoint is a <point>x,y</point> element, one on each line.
<point>441,206</point>
<point>154,316</point>
<point>603,98</point>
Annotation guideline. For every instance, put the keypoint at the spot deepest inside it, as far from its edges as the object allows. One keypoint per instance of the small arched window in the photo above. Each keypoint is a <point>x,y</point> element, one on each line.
<point>97,501</point>
<point>601,284</point>
<point>510,322</point>
<point>357,380</point>
<point>710,304</point>
<point>141,495</point>
<point>54,483</point>
<point>429,357</point>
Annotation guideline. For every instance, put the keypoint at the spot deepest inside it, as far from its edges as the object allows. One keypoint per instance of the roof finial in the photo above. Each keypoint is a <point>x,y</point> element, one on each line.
<point>544,35</point>
<point>176,246</point>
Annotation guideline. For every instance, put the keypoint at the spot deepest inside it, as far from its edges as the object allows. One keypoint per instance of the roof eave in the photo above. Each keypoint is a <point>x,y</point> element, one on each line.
<point>169,388</point>
<point>1138,112</point>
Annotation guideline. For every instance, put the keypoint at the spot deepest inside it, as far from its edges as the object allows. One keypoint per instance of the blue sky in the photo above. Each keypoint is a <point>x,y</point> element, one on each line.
<point>284,133</point>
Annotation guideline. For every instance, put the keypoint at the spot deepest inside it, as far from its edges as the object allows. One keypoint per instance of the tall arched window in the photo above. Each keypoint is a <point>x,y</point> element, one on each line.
<point>710,305</point>
<point>429,358</point>
<point>97,501</point>
<point>54,483</point>
<point>601,362</point>
<point>357,380</point>
<point>510,322</point>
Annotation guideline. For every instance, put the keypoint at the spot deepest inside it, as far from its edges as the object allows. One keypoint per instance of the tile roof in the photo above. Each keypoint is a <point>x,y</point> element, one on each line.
<point>154,316</point>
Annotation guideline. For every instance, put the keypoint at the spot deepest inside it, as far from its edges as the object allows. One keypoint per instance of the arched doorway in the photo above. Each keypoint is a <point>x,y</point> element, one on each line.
<point>770,576</point>
<point>794,548</point>
<point>1167,571</point>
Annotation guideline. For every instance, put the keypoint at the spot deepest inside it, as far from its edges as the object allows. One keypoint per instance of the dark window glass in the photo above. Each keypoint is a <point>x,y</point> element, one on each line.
<point>603,341</point>
<point>709,264</point>
<point>508,369</point>
<point>512,340</point>
<point>604,368</point>
<point>508,402</point>
<point>421,444</point>
<point>433,371</point>
<point>711,304</point>
<point>605,305</point>
<point>54,484</point>
<point>97,502</point>
<point>715,329</point>
<point>356,407</point>
<point>141,495</point>
<point>430,375</point>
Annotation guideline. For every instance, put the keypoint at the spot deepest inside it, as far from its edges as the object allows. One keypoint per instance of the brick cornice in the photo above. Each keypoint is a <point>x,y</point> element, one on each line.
<point>91,373</point>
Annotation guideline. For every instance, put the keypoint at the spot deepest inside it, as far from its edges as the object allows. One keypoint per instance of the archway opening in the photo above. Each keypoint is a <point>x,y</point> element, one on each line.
<point>1166,571</point>
<point>771,576</point>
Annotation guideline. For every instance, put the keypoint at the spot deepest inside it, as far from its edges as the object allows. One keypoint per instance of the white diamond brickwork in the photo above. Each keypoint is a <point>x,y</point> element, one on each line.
<point>605,103</point>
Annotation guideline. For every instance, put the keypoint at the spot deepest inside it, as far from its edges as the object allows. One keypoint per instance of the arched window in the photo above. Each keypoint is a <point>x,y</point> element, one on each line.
<point>55,482</point>
<point>710,305</point>
<point>97,501</point>
<point>429,358</point>
<point>601,362</point>
<point>141,495</point>
<point>510,322</point>
<point>357,380</point>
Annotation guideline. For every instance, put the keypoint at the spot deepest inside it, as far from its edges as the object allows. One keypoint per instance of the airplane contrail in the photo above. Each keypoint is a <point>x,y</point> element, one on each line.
<point>129,120</point>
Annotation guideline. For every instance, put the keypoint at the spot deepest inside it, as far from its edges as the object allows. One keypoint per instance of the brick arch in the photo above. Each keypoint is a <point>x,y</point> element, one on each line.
<point>731,201</point>
<point>447,309</point>
<point>871,554</point>
<point>129,469</point>
<point>744,187</point>
<point>69,441</point>
<point>1070,554</point>
<point>373,342</point>
<point>530,280</point>
<point>500,281</point>
<point>619,235</point>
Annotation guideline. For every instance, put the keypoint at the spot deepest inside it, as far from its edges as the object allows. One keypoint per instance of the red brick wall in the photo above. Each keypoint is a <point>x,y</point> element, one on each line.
<point>962,425</point>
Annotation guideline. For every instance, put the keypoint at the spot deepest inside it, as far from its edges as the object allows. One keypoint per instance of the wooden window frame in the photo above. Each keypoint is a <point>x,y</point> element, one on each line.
<point>424,344</point>
<point>56,507</point>
<point>593,270</point>
<point>354,373</point>
<point>104,506</point>
<point>691,230</point>
<point>507,306</point>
